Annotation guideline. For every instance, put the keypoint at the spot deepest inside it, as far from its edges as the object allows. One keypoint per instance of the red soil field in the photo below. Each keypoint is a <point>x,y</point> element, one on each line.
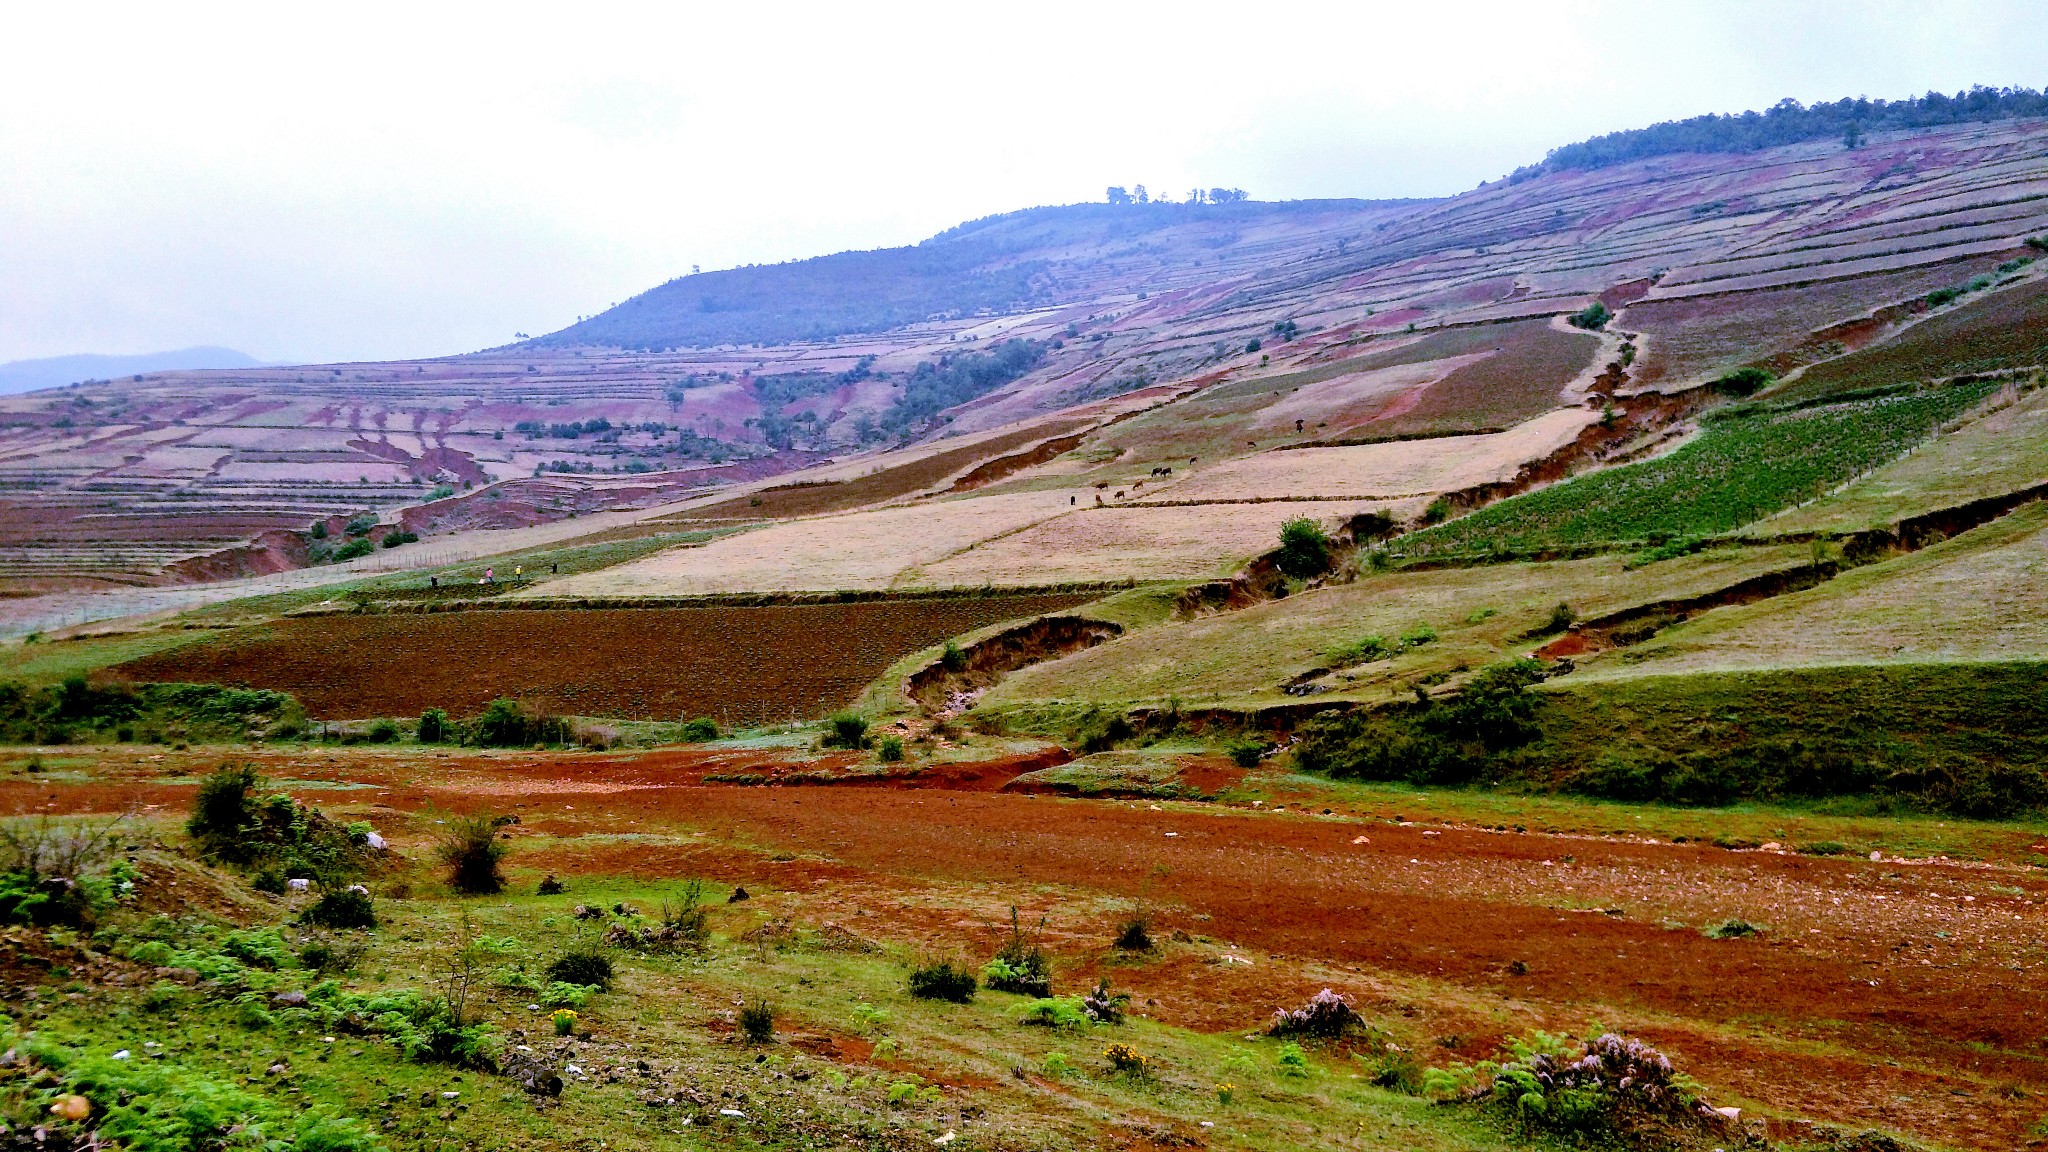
<point>1529,363</point>
<point>738,664</point>
<point>1904,994</point>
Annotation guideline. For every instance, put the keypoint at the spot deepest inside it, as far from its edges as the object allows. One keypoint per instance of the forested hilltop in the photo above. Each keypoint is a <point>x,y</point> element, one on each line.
<point>1790,122</point>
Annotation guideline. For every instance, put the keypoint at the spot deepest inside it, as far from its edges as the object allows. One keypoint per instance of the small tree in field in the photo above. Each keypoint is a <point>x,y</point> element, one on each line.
<point>1304,549</point>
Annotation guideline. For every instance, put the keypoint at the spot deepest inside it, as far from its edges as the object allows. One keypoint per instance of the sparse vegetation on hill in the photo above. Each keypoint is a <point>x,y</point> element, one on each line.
<point>935,386</point>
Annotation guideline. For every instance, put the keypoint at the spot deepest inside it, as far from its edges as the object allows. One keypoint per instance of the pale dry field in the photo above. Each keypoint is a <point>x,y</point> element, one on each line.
<point>1395,469</point>
<point>1132,542</point>
<point>1981,596</point>
<point>2003,452</point>
<point>856,550</point>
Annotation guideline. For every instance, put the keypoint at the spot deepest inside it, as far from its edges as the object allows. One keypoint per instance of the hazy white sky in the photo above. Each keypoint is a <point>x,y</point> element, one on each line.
<point>365,181</point>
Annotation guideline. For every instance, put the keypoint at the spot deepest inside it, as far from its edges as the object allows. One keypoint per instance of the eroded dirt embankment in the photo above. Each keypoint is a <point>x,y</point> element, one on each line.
<point>980,665</point>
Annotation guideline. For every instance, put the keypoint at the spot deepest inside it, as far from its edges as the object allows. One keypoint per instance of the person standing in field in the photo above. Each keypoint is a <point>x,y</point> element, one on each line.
<point>518,575</point>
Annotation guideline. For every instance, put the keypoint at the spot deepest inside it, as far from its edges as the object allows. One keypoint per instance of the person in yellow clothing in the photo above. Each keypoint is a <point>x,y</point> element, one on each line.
<point>518,574</point>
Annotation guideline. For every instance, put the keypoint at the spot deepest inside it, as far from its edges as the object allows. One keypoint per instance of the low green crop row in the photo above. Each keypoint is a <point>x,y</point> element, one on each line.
<point>1748,462</point>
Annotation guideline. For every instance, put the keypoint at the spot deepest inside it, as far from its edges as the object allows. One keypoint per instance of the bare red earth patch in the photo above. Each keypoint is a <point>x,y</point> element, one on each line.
<point>740,664</point>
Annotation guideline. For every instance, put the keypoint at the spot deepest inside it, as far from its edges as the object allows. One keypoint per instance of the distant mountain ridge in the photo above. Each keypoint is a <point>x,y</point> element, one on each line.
<point>1035,257</point>
<point>1029,258</point>
<point>57,371</point>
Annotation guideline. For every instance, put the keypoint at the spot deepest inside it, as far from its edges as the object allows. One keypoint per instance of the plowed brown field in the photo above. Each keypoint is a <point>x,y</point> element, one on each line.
<point>740,664</point>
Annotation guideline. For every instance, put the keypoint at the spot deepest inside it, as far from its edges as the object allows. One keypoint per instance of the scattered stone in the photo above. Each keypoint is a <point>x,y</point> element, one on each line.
<point>586,912</point>
<point>73,1107</point>
<point>290,999</point>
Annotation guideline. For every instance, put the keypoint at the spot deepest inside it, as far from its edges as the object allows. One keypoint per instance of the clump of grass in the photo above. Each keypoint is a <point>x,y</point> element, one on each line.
<point>471,851</point>
<point>943,980</point>
<point>549,886</point>
<point>889,749</point>
<point>1826,848</point>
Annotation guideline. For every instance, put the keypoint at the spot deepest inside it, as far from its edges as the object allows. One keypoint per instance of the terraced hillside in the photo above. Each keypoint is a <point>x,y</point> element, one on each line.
<point>1374,319</point>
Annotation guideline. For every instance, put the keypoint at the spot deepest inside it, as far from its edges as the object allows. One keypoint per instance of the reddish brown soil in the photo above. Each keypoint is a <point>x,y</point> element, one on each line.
<point>1521,380</point>
<point>1702,334</point>
<point>1906,995</point>
<point>737,664</point>
<point>886,483</point>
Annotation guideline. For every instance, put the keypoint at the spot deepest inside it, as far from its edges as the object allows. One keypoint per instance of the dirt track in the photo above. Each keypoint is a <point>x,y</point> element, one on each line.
<point>1901,994</point>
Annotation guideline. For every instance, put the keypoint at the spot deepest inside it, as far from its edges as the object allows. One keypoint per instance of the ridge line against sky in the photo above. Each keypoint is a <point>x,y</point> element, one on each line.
<point>384,181</point>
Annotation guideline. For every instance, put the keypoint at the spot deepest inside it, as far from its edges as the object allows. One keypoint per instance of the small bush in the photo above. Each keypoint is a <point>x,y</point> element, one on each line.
<point>1304,549</point>
<point>682,927</point>
<point>1104,1006</point>
<point>1731,930</point>
<point>1245,751</point>
<point>943,980</point>
<point>1021,964</point>
<point>549,886</point>
<point>846,730</point>
<point>1439,510</point>
<point>1417,636</point>
<point>1292,1061</point>
<point>433,727</point>
<point>354,549</point>
<point>1326,1015</point>
<point>224,809</point>
<point>344,909</point>
<point>889,750</point>
<point>1125,1060</point>
<point>1744,381</point>
<point>1135,934</point>
<point>700,729</point>
<point>1363,650</point>
<point>757,1021</point>
<point>382,731</point>
<point>586,966</point>
<point>2038,243</point>
<point>472,852</point>
<point>1592,317</point>
<point>952,659</point>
